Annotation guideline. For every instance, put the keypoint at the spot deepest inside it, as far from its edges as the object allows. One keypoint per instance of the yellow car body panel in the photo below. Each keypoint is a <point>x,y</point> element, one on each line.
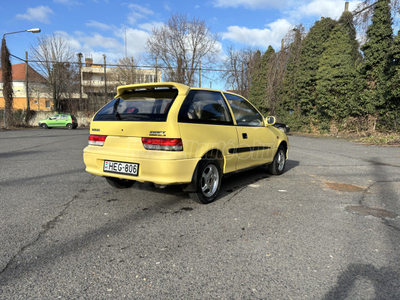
<point>124,143</point>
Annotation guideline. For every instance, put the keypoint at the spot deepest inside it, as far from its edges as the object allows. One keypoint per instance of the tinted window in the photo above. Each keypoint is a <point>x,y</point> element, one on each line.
<point>245,114</point>
<point>205,107</point>
<point>141,105</point>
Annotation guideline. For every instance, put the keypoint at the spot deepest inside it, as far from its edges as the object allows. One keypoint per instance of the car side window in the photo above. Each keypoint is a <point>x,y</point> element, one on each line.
<point>205,107</point>
<point>245,114</point>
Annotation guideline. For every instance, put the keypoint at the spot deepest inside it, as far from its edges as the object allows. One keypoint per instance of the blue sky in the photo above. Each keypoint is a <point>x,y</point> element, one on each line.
<point>97,27</point>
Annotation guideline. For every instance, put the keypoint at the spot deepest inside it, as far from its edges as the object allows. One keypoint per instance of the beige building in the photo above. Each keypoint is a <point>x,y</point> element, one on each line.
<point>96,79</point>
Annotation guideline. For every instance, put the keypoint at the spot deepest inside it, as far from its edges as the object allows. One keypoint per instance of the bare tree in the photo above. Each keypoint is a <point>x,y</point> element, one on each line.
<point>126,71</point>
<point>238,66</point>
<point>363,12</point>
<point>52,57</point>
<point>180,45</point>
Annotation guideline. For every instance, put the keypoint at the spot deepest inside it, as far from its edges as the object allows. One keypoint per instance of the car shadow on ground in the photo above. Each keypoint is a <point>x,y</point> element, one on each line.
<point>230,184</point>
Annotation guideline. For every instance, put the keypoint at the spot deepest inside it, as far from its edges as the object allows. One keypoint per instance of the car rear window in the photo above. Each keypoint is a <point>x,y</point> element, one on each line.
<point>139,105</point>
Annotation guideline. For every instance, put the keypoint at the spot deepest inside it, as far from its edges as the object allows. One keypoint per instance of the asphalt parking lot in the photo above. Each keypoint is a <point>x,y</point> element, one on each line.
<point>328,228</point>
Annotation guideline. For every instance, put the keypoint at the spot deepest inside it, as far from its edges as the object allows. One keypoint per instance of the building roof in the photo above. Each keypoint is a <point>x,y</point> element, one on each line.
<point>18,74</point>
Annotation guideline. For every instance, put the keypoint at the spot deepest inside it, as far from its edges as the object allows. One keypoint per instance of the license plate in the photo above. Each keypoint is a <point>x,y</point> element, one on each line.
<point>121,167</point>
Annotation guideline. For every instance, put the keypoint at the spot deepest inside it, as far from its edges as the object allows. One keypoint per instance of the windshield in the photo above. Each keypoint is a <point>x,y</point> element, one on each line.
<point>142,105</point>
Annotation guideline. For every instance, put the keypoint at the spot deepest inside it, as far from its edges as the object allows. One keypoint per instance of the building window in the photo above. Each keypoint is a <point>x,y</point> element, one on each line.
<point>36,102</point>
<point>48,104</point>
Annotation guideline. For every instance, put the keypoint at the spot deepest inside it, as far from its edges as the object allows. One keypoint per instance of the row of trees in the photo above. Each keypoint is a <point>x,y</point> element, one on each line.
<point>322,81</point>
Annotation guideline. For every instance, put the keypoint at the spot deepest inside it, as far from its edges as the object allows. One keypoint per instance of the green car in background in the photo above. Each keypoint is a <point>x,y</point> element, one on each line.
<point>60,120</point>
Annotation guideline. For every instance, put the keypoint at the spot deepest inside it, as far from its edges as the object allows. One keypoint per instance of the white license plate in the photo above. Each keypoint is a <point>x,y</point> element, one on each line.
<point>121,167</point>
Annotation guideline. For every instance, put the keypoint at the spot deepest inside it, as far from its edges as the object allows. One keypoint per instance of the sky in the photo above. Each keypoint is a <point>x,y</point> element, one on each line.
<point>97,27</point>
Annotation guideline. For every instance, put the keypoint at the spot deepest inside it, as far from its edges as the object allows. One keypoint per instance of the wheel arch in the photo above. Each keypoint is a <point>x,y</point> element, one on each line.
<point>285,146</point>
<point>213,153</point>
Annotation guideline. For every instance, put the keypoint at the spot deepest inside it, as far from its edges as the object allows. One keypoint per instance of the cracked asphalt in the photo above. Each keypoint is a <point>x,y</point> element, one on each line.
<point>328,228</point>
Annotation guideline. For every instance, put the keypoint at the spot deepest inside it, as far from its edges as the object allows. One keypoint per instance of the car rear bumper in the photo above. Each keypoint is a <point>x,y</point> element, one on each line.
<point>158,171</point>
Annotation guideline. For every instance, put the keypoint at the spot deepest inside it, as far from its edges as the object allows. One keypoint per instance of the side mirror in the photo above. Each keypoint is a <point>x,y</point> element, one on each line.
<point>270,120</point>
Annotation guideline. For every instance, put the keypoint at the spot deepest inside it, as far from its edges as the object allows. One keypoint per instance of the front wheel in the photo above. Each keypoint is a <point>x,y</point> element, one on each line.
<point>208,181</point>
<point>279,162</point>
<point>120,183</point>
<point>44,126</point>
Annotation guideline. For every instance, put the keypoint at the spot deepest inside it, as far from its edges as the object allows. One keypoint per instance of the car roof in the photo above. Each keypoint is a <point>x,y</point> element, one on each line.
<point>182,89</point>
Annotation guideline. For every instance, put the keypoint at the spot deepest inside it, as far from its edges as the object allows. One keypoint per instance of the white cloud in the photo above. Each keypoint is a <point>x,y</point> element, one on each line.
<point>251,4</point>
<point>323,8</point>
<point>72,42</point>
<point>135,41</point>
<point>272,35</point>
<point>138,12</point>
<point>38,14</point>
<point>167,6</point>
<point>98,25</point>
<point>149,26</point>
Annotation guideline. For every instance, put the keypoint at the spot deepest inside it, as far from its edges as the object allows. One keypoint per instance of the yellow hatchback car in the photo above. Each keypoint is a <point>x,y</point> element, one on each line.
<point>168,134</point>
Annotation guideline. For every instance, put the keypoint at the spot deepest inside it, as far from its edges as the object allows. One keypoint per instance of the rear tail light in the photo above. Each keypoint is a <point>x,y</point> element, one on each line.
<point>97,140</point>
<point>162,144</point>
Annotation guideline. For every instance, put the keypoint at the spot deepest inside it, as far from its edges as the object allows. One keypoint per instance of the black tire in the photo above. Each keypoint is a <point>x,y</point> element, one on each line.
<point>278,165</point>
<point>69,126</point>
<point>44,126</point>
<point>120,183</point>
<point>209,177</point>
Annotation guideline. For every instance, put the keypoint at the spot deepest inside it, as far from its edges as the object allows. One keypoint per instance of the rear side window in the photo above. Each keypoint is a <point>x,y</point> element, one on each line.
<point>140,105</point>
<point>205,107</point>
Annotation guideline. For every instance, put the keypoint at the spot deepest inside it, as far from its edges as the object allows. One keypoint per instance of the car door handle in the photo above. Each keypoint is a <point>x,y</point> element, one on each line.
<point>244,135</point>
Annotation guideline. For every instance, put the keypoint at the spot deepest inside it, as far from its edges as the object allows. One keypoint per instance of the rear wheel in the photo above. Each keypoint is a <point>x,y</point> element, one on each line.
<point>279,162</point>
<point>69,126</point>
<point>120,183</point>
<point>208,181</point>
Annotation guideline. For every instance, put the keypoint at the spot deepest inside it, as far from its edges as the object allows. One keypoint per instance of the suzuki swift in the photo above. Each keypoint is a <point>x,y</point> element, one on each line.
<point>170,134</point>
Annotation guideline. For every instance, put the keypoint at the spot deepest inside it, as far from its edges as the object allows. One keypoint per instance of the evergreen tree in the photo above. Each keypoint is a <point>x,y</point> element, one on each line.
<point>258,90</point>
<point>309,64</point>
<point>288,101</point>
<point>377,59</point>
<point>337,75</point>
<point>393,106</point>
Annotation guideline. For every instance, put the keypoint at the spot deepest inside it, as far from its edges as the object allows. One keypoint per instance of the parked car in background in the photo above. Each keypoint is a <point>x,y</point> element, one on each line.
<point>169,134</point>
<point>282,127</point>
<point>59,120</point>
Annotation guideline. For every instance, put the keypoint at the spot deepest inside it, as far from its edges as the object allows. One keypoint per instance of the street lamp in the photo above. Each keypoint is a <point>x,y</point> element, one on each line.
<point>33,30</point>
<point>6,71</point>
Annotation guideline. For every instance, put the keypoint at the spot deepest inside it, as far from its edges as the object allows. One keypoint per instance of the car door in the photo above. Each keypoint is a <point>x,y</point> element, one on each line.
<point>206,124</point>
<point>63,120</point>
<point>256,144</point>
<point>53,121</point>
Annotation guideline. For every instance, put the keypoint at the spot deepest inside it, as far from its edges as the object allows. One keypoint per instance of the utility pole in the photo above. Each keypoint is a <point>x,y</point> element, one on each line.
<point>132,71</point>
<point>80,77</point>
<point>156,79</point>
<point>105,79</point>
<point>28,106</point>
<point>200,73</point>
